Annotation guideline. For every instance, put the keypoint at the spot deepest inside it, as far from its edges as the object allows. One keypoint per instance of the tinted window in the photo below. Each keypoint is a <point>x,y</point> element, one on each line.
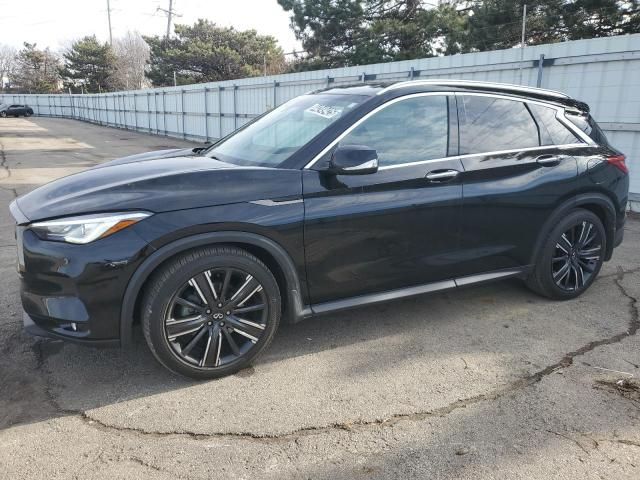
<point>276,136</point>
<point>492,124</point>
<point>407,131</point>
<point>588,125</point>
<point>552,132</point>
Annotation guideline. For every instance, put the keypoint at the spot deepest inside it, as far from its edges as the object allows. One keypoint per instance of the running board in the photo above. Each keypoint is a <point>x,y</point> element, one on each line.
<point>374,298</point>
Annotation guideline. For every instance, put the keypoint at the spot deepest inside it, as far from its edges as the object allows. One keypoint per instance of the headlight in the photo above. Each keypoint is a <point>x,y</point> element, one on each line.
<point>86,228</point>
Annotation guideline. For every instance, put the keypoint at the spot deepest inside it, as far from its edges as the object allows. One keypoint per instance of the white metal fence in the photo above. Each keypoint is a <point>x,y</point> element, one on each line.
<point>603,72</point>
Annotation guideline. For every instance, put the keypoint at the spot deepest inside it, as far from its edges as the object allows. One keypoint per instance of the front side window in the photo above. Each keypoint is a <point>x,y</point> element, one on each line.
<point>552,132</point>
<point>489,124</point>
<point>273,138</point>
<point>410,130</point>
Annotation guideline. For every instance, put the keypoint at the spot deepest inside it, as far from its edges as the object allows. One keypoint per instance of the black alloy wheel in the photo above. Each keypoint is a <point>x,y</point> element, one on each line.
<point>578,253</point>
<point>216,317</point>
<point>571,256</point>
<point>210,312</point>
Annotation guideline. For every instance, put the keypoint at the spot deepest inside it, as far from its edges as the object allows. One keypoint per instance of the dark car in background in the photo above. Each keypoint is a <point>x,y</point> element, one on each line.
<point>15,110</point>
<point>344,197</point>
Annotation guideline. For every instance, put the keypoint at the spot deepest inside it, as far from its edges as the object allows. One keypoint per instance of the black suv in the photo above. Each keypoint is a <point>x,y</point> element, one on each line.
<point>339,198</point>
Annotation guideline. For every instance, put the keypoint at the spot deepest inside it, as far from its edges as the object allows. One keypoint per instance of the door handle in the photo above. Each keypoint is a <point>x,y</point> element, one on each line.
<point>548,160</point>
<point>442,175</point>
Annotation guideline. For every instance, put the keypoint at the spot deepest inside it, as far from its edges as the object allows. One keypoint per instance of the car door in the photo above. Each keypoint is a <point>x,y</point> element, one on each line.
<point>13,110</point>
<point>395,228</point>
<point>515,174</point>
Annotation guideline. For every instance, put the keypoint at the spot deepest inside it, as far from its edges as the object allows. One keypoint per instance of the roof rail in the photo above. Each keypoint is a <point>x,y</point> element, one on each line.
<point>471,83</point>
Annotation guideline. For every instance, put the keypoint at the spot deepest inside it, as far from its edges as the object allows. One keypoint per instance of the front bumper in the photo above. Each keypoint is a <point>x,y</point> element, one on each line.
<point>74,292</point>
<point>33,329</point>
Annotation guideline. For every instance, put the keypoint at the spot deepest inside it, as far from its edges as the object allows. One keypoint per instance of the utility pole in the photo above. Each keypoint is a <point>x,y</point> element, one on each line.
<point>170,13</point>
<point>522,43</point>
<point>109,18</point>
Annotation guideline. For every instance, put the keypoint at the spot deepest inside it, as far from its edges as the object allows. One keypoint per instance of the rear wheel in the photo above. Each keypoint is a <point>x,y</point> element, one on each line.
<point>571,257</point>
<point>210,312</point>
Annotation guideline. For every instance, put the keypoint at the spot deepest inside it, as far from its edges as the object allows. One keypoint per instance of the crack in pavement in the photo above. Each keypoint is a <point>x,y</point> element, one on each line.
<point>564,362</point>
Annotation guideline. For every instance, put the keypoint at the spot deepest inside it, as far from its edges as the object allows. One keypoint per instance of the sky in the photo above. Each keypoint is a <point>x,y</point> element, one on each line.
<point>55,23</point>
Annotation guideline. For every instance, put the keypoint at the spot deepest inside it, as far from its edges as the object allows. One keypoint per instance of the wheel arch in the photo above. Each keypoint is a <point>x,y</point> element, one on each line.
<point>598,203</point>
<point>267,250</point>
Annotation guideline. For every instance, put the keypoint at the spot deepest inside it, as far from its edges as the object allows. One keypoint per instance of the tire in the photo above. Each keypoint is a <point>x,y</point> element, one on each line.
<point>28,114</point>
<point>571,257</point>
<point>203,292</point>
<point>3,114</point>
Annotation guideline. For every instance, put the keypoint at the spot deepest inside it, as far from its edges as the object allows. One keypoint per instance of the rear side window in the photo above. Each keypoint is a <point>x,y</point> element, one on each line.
<point>588,125</point>
<point>552,132</point>
<point>490,124</point>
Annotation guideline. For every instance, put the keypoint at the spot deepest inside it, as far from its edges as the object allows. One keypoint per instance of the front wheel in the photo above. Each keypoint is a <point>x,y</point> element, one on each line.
<point>571,256</point>
<point>28,114</point>
<point>3,114</point>
<point>210,312</point>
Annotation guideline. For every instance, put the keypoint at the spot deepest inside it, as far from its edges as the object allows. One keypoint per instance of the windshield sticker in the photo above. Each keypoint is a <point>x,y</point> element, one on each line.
<point>325,111</point>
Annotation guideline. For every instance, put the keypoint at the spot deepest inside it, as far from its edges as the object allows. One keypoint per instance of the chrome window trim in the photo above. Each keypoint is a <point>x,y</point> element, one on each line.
<point>562,118</point>
<point>497,152</point>
<point>559,115</point>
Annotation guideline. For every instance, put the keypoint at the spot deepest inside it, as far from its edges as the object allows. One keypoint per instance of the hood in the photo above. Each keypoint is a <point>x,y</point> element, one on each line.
<point>140,157</point>
<point>158,185</point>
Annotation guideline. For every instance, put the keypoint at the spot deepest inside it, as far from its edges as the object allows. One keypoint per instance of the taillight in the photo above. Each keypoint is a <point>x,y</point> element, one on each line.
<point>618,162</point>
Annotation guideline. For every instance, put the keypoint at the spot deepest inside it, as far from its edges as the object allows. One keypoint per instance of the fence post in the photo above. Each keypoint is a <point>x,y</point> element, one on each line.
<point>206,117</point>
<point>148,113</point>
<point>275,94</point>
<point>235,107</point>
<point>184,136</point>
<point>540,69</point>
<point>155,108</point>
<point>135,112</point>
<point>220,89</point>
<point>411,73</point>
<point>164,113</point>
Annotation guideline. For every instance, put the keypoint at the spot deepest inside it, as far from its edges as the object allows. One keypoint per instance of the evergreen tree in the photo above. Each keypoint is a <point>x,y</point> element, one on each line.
<point>88,64</point>
<point>206,52</point>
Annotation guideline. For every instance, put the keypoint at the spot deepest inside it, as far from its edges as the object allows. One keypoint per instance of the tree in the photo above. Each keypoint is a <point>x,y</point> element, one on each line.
<point>7,63</point>
<point>36,71</point>
<point>131,55</point>
<point>495,24</point>
<point>206,52</point>
<point>338,33</point>
<point>352,32</point>
<point>88,65</point>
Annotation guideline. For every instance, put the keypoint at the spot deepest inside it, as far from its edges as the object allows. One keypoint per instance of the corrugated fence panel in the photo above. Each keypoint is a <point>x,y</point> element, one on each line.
<point>603,72</point>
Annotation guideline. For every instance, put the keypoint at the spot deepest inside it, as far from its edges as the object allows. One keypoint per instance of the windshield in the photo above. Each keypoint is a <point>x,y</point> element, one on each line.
<point>273,138</point>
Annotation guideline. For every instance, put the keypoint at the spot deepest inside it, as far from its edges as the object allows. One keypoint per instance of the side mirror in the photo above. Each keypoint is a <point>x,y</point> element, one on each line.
<point>353,160</point>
